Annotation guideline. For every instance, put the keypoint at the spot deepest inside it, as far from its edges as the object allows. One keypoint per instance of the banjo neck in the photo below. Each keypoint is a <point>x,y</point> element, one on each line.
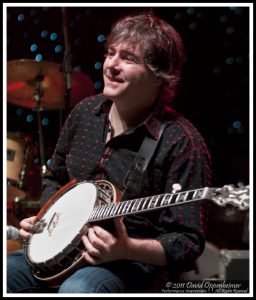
<point>228,194</point>
<point>130,207</point>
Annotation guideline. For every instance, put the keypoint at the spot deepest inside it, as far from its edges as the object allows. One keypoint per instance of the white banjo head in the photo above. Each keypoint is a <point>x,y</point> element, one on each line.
<point>65,220</point>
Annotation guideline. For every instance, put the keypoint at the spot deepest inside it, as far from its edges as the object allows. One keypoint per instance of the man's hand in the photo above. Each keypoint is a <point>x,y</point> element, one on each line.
<point>27,226</point>
<point>102,246</point>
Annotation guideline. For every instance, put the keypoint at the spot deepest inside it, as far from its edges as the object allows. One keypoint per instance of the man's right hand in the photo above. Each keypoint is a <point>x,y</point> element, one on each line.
<point>27,226</point>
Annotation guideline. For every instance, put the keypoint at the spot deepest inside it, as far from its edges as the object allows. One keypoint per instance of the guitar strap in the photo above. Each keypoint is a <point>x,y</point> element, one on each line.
<point>133,178</point>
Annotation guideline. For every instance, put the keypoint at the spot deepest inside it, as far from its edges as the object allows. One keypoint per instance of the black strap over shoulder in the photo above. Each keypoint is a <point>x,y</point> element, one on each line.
<point>132,180</point>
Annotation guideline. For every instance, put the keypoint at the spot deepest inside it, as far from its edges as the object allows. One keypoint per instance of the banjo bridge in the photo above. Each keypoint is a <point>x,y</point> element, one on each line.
<point>53,223</point>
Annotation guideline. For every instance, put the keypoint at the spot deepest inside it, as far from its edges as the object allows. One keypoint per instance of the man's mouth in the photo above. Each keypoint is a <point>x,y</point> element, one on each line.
<point>115,79</point>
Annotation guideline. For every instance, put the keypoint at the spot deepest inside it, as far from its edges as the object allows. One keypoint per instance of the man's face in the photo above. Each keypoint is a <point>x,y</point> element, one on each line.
<point>125,74</point>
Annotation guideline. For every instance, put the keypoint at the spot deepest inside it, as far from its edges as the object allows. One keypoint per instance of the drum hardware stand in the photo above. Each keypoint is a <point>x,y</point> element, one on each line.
<point>24,167</point>
<point>38,95</point>
<point>67,66</point>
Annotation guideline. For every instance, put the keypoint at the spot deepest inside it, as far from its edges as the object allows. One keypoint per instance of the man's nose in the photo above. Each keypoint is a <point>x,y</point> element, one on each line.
<point>114,62</point>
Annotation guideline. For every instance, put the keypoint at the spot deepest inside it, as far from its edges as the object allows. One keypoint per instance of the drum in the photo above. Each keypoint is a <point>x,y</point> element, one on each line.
<point>23,176</point>
<point>17,155</point>
<point>21,169</point>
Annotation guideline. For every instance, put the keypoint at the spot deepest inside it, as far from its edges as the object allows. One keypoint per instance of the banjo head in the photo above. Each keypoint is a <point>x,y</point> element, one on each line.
<point>63,225</point>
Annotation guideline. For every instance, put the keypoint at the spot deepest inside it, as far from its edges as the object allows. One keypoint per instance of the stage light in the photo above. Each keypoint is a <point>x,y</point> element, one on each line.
<point>192,25</point>
<point>33,12</point>
<point>230,30</point>
<point>37,21</point>
<point>98,65</point>
<point>101,38</point>
<point>33,47</point>
<point>36,160</point>
<point>216,70</point>
<point>223,19</point>
<point>44,33</point>
<point>19,111</point>
<point>78,68</point>
<point>58,49</point>
<point>237,124</point>
<point>30,118</point>
<point>178,16</point>
<point>190,10</point>
<point>97,85</point>
<point>20,17</point>
<point>230,61</point>
<point>39,57</point>
<point>45,121</point>
<point>53,36</point>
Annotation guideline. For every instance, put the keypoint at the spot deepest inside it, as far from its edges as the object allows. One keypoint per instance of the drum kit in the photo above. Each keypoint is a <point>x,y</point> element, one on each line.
<point>39,86</point>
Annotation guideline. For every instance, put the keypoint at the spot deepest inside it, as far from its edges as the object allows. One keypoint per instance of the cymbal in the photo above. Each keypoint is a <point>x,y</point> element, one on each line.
<point>25,77</point>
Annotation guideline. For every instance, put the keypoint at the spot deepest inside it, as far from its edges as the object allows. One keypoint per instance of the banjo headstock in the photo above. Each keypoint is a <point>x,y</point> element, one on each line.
<point>229,194</point>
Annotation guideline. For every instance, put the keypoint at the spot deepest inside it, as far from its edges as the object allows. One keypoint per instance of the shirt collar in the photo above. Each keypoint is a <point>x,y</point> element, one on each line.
<point>103,106</point>
<point>152,123</point>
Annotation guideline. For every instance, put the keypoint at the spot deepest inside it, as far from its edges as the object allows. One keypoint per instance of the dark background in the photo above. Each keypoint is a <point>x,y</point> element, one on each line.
<point>214,91</point>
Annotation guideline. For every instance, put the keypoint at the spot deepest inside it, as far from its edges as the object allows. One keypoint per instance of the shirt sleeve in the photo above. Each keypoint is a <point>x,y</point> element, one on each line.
<point>184,237</point>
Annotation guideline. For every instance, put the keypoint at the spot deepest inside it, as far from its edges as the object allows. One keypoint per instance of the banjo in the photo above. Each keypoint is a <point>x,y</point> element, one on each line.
<point>55,247</point>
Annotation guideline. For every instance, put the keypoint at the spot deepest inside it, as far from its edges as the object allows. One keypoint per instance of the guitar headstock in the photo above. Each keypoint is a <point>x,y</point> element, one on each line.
<point>229,194</point>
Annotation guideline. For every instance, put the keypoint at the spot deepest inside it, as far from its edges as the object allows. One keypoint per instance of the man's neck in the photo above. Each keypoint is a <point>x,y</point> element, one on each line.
<point>122,118</point>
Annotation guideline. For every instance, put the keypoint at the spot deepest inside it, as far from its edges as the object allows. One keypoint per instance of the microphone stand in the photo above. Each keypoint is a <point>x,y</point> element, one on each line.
<point>38,95</point>
<point>67,66</point>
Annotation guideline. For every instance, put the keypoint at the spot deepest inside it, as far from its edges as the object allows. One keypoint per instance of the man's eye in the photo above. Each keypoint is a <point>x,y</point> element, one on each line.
<point>109,54</point>
<point>131,58</point>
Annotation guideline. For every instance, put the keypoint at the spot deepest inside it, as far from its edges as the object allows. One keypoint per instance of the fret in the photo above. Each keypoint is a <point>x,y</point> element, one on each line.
<point>177,197</point>
<point>145,203</point>
<point>136,205</point>
<point>153,201</point>
<point>102,210</point>
<point>185,196</point>
<point>114,210</point>
<point>107,212</point>
<point>93,213</point>
<point>124,209</point>
<point>165,201</point>
<point>97,211</point>
<point>129,205</point>
<point>194,194</point>
<point>159,200</point>
<point>119,209</point>
<point>199,193</point>
<point>181,197</point>
<point>190,195</point>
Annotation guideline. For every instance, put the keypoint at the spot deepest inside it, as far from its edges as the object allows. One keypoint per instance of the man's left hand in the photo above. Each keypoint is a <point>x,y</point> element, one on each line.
<point>103,246</point>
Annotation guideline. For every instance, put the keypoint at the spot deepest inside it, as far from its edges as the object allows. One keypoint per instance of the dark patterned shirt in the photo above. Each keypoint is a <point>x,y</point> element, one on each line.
<point>180,157</point>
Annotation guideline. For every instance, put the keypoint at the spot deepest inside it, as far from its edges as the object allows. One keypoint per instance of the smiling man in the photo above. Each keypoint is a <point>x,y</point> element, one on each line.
<point>100,140</point>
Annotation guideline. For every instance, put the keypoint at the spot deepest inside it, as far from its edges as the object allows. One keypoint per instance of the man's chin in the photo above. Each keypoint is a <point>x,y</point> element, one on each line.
<point>110,93</point>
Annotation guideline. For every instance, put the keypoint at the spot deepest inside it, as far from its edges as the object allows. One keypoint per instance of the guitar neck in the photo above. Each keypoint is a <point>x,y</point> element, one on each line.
<point>130,207</point>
